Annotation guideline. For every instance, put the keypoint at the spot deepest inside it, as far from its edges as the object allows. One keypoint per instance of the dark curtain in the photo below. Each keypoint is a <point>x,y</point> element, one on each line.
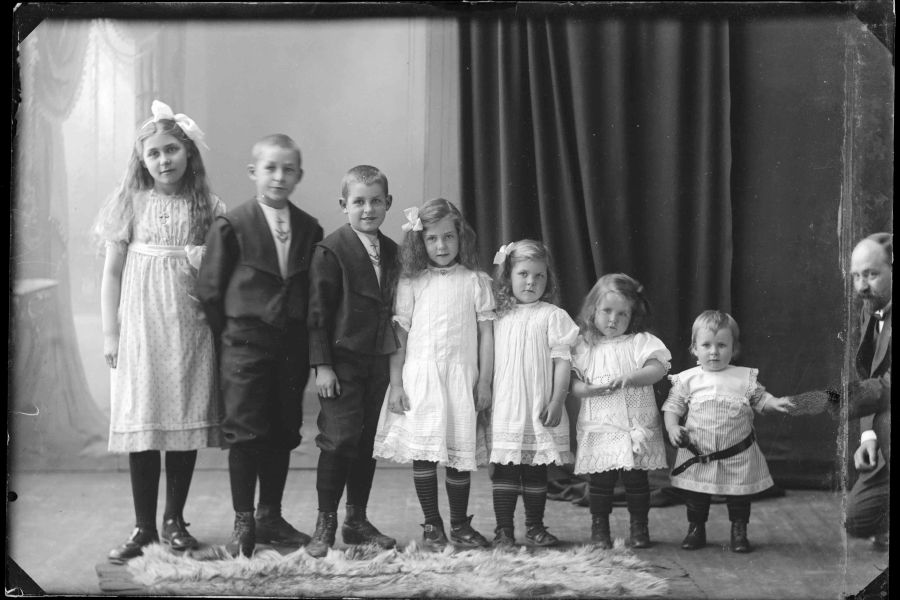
<point>705,155</point>
<point>609,140</point>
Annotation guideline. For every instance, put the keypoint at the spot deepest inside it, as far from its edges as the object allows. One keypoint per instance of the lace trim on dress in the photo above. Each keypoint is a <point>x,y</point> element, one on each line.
<point>532,457</point>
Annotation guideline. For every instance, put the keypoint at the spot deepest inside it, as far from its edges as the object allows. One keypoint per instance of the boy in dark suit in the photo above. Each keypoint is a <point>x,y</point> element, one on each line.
<point>254,287</point>
<point>350,339</point>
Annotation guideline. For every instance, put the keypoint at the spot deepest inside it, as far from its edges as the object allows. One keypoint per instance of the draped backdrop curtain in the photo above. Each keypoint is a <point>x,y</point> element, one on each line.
<point>51,412</point>
<point>54,422</point>
<point>609,140</point>
<point>704,155</point>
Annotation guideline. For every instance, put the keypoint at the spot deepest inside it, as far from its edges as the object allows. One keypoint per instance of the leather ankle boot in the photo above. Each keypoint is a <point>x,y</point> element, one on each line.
<point>739,541</point>
<point>433,536</point>
<point>323,538</point>
<point>696,536</point>
<point>243,539</point>
<point>272,528</point>
<point>640,534</point>
<point>600,532</point>
<point>358,530</point>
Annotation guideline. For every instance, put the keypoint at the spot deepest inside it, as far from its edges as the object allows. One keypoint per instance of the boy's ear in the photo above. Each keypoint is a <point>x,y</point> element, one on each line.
<point>251,171</point>
<point>388,200</point>
<point>299,174</point>
<point>343,204</point>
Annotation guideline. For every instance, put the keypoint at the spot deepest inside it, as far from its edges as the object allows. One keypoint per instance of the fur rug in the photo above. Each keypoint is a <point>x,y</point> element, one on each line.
<point>582,571</point>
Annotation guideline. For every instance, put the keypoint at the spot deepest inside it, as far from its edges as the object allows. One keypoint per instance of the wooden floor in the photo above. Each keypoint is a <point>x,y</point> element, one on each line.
<point>62,524</point>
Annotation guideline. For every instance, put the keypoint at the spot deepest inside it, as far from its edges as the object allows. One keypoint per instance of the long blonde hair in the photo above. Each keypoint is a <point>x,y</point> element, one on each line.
<point>115,220</point>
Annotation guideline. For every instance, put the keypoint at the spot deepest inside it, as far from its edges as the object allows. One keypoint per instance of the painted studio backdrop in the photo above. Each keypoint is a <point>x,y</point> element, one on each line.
<point>726,161</point>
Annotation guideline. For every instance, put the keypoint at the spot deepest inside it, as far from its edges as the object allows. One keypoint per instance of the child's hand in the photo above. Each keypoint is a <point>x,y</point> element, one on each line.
<point>781,405</point>
<point>398,401</point>
<point>483,396</point>
<point>616,383</point>
<point>678,435</point>
<point>327,382</point>
<point>111,349</point>
<point>552,414</point>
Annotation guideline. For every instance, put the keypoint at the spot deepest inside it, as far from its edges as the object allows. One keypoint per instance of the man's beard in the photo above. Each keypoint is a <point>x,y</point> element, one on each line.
<point>871,303</point>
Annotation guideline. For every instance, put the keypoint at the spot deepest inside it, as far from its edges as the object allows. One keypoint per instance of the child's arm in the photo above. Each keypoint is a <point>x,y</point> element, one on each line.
<point>324,297</point>
<point>215,273</point>
<point>110,292</point>
<point>398,402</point>
<point>764,402</point>
<point>677,434</point>
<point>581,389</point>
<point>652,371</point>
<point>770,404</point>
<point>485,365</point>
<point>552,413</point>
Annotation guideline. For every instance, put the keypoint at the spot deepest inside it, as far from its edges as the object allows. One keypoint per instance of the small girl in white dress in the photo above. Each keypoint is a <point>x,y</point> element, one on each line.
<point>532,360</point>
<point>616,362</point>
<point>717,400</point>
<point>441,375</point>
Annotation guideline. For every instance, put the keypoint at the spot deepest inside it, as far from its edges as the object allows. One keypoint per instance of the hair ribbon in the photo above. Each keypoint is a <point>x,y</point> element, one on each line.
<point>414,223</point>
<point>161,110</point>
<point>503,253</point>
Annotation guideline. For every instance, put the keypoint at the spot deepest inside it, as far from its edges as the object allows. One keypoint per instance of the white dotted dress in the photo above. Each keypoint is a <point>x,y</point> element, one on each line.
<point>163,390</point>
<point>620,430</point>
<point>441,309</point>
<point>526,340</point>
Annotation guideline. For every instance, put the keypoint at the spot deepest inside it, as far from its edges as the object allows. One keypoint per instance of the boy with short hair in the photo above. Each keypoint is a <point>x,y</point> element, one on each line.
<point>351,337</point>
<point>254,287</point>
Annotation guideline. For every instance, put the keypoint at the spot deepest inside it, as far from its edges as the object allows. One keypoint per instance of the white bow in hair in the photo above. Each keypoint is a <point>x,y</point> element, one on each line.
<point>161,110</point>
<point>503,253</point>
<point>414,223</point>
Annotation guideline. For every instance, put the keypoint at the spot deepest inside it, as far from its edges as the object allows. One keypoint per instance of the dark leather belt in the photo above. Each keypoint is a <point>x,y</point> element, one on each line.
<point>707,458</point>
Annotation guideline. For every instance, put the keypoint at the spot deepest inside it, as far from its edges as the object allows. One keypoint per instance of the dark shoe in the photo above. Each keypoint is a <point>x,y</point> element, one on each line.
<point>640,534</point>
<point>323,537</point>
<point>739,541</point>
<point>134,546</point>
<point>271,528</point>
<point>358,530</point>
<point>243,539</point>
<point>434,538</point>
<point>539,536</point>
<point>464,535</point>
<point>504,537</point>
<point>600,531</point>
<point>175,534</point>
<point>695,538</point>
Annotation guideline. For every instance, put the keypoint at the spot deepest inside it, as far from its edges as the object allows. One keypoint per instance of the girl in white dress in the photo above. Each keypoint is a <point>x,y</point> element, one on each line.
<point>155,339</point>
<point>532,360</point>
<point>616,362</point>
<point>717,400</point>
<point>441,376</point>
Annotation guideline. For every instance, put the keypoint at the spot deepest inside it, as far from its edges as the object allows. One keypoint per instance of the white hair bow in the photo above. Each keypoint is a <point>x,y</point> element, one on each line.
<point>414,223</point>
<point>503,253</point>
<point>161,110</point>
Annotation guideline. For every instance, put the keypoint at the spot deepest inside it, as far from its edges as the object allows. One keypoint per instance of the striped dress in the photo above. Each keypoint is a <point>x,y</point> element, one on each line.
<point>719,407</point>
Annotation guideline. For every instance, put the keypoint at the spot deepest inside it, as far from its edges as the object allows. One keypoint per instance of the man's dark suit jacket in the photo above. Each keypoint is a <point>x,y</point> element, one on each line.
<point>239,280</point>
<point>871,394</point>
<point>347,308</point>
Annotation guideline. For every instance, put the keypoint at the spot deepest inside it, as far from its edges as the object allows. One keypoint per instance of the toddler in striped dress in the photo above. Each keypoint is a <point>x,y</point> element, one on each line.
<point>718,453</point>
